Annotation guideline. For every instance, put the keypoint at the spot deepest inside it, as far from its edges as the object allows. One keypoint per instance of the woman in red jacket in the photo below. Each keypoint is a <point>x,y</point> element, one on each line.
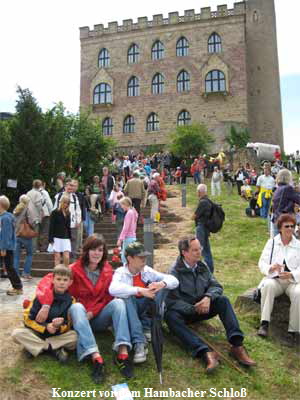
<point>95,309</point>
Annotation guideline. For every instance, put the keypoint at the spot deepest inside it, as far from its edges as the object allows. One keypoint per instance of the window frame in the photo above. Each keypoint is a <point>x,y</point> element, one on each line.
<point>182,47</point>
<point>183,83</point>
<point>104,61</point>
<point>158,84</point>
<point>152,124</point>
<point>157,51</point>
<point>106,93</point>
<point>214,43</point>
<point>129,124</point>
<point>186,120</point>
<point>107,126</point>
<point>133,54</point>
<point>133,86</point>
<point>219,81</point>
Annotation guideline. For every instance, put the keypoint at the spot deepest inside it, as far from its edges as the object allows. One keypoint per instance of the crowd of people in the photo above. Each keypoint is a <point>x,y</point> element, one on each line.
<point>79,299</point>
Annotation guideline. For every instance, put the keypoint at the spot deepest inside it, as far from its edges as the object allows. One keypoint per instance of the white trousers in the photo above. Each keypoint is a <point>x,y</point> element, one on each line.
<point>35,345</point>
<point>215,188</point>
<point>271,288</point>
<point>154,203</point>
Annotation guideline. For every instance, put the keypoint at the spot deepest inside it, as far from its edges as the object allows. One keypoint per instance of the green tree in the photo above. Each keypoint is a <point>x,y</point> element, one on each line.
<point>190,140</point>
<point>5,153</point>
<point>237,139</point>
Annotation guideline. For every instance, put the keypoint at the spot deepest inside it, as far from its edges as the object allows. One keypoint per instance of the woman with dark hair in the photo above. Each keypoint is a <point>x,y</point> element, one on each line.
<point>280,263</point>
<point>95,309</point>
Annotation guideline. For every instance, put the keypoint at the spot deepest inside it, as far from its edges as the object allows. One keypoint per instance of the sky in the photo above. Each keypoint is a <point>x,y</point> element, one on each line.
<point>40,48</point>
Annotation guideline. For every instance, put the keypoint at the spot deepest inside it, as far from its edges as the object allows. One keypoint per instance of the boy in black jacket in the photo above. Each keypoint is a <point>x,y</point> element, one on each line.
<point>55,334</point>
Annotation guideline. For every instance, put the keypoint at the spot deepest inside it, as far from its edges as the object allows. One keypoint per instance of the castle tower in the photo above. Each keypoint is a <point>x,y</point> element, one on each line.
<point>264,102</point>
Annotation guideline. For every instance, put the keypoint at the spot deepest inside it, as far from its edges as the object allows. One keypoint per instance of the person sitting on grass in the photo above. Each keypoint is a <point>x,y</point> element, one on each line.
<point>246,190</point>
<point>253,210</point>
<point>95,310</point>
<point>7,246</point>
<point>199,297</point>
<point>55,335</point>
<point>137,284</point>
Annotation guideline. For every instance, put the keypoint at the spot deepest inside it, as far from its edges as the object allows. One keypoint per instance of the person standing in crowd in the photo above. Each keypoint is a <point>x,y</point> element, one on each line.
<point>285,197</point>
<point>153,194</point>
<point>216,180</point>
<point>201,216</point>
<point>184,172</point>
<point>7,246</point>
<point>47,210</point>
<point>21,213</point>
<point>199,297</point>
<point>228,178</point>
<point>297,161</point>
<point>81,200</point>
<point>75,212</point>
<point>36,210</point>
<point>119,214</point>
<point>60,231</point>
<point>135,189</point>
<point>240,176</point>
<point>128,233</point>
<point>280,263</point>
<point>108,182</point>
<point>195,171</point>
<point>265,184</point>
<point>126,167</point>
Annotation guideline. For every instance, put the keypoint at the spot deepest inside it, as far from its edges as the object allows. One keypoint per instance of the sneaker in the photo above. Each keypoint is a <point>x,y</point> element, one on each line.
<point>140,353</point>
<point>98,372</point>
<point>125,366</point>
<point>14,292</point>
<point>61,355</point>
<point>147,335</point>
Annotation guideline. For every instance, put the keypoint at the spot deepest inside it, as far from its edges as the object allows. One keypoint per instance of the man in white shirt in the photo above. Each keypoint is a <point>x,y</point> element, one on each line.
<point>265,184</point>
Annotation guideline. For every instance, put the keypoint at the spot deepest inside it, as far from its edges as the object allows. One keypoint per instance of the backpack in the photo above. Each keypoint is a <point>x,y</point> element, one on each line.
<point>216,219</point>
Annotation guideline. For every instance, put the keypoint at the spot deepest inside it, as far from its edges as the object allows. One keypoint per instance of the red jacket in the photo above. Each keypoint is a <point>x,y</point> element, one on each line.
<point>93,298</point>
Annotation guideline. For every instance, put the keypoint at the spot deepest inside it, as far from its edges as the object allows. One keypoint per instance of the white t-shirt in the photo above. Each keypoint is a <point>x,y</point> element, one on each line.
<point>266,182</point>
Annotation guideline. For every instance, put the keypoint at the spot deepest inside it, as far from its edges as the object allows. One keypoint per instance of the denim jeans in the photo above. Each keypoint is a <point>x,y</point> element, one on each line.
<point>220,306</point>
<point>265,206</point>
<point>27,244</point>
<point>89,224</point>
<point>197,177</point>
<point>202,235</point>
<point>125,243</point>
<point>114,313</point>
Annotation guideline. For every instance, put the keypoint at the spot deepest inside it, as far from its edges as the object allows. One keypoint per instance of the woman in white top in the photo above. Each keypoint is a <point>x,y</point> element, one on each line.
<point>280,263</point>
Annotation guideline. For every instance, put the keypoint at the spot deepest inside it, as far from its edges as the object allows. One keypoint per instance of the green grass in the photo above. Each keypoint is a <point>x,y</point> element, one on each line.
<point>236,250</point>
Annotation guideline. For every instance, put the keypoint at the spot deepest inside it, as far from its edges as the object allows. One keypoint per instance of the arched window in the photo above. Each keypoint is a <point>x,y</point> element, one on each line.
<point>133,87</point>
<point>158,83</point>
<point>102,94</point>
<point>184,118</point>
<point>133,54</point>
<point>158,50</point>
<point>182,47</point>
<point>129,124</point>
<point>214,43</point>
<point>152,123</point>
<point>183,81</point>
<point>107,126</point>
<point>215,81</point>
<point>103,59</point>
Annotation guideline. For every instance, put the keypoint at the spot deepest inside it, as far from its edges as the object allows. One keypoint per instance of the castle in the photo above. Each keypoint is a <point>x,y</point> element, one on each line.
<point>220,68</point>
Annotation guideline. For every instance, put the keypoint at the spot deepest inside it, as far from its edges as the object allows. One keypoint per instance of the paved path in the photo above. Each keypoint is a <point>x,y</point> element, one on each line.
<point>13,304</point>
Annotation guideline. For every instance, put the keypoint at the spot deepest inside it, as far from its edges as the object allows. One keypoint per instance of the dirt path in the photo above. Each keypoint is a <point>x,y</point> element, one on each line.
<point>11,355</point>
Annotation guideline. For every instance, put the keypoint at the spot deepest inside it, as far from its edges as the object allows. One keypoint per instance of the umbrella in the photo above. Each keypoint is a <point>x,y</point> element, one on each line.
<point>157,338</point>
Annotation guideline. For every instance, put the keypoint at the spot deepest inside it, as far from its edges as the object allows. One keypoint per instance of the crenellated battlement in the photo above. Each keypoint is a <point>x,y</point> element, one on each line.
<point>158,20</point>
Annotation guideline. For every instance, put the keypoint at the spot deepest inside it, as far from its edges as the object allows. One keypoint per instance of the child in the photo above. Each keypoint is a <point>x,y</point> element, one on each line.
<point>178,175</point>
<point>246,190</point>
<point>7,246</point>
<point>119,214</point>
<point>54,335</point>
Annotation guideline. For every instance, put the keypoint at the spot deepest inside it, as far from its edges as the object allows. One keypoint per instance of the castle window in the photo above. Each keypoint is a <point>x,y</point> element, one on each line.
<point>104,58</point>
<point>158,51</point>
<point>158,83</point>
<point>107,126</point>
<point>214,43</point>
<point>152,123</point>
<point>182,47</point>
<point>184,118</point>
<point>215,81</point>
<point>102,94</point>
<point>183,81</point>
<point>129,124</point>
<point>133,54</point>
<point>133,87</point>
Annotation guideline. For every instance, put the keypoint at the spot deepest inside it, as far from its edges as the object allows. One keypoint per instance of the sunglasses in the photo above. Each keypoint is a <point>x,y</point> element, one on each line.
<point>289,226</point>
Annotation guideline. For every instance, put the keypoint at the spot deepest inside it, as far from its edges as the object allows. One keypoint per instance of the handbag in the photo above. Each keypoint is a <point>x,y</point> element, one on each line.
<point>257,291</point>
<point>26,231</point>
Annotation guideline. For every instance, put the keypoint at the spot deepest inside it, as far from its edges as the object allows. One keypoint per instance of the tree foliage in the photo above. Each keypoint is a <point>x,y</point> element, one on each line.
<point>237,139</point>
<point>190,140</point>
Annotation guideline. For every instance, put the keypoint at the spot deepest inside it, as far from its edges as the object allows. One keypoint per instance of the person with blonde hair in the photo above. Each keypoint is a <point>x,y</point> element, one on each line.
<point>60,231</point>
<point>128,233</point>
<point>22,213</point>
<point>7,245</point>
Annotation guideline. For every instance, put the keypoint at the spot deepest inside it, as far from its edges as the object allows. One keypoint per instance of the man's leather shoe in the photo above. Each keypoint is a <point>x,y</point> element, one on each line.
<point>240,353</point>
<point>212,361</point>
<point>263,331</point>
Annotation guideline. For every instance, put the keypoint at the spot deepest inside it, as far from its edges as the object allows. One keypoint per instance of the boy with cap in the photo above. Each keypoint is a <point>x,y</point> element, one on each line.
<point>138,284</point>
